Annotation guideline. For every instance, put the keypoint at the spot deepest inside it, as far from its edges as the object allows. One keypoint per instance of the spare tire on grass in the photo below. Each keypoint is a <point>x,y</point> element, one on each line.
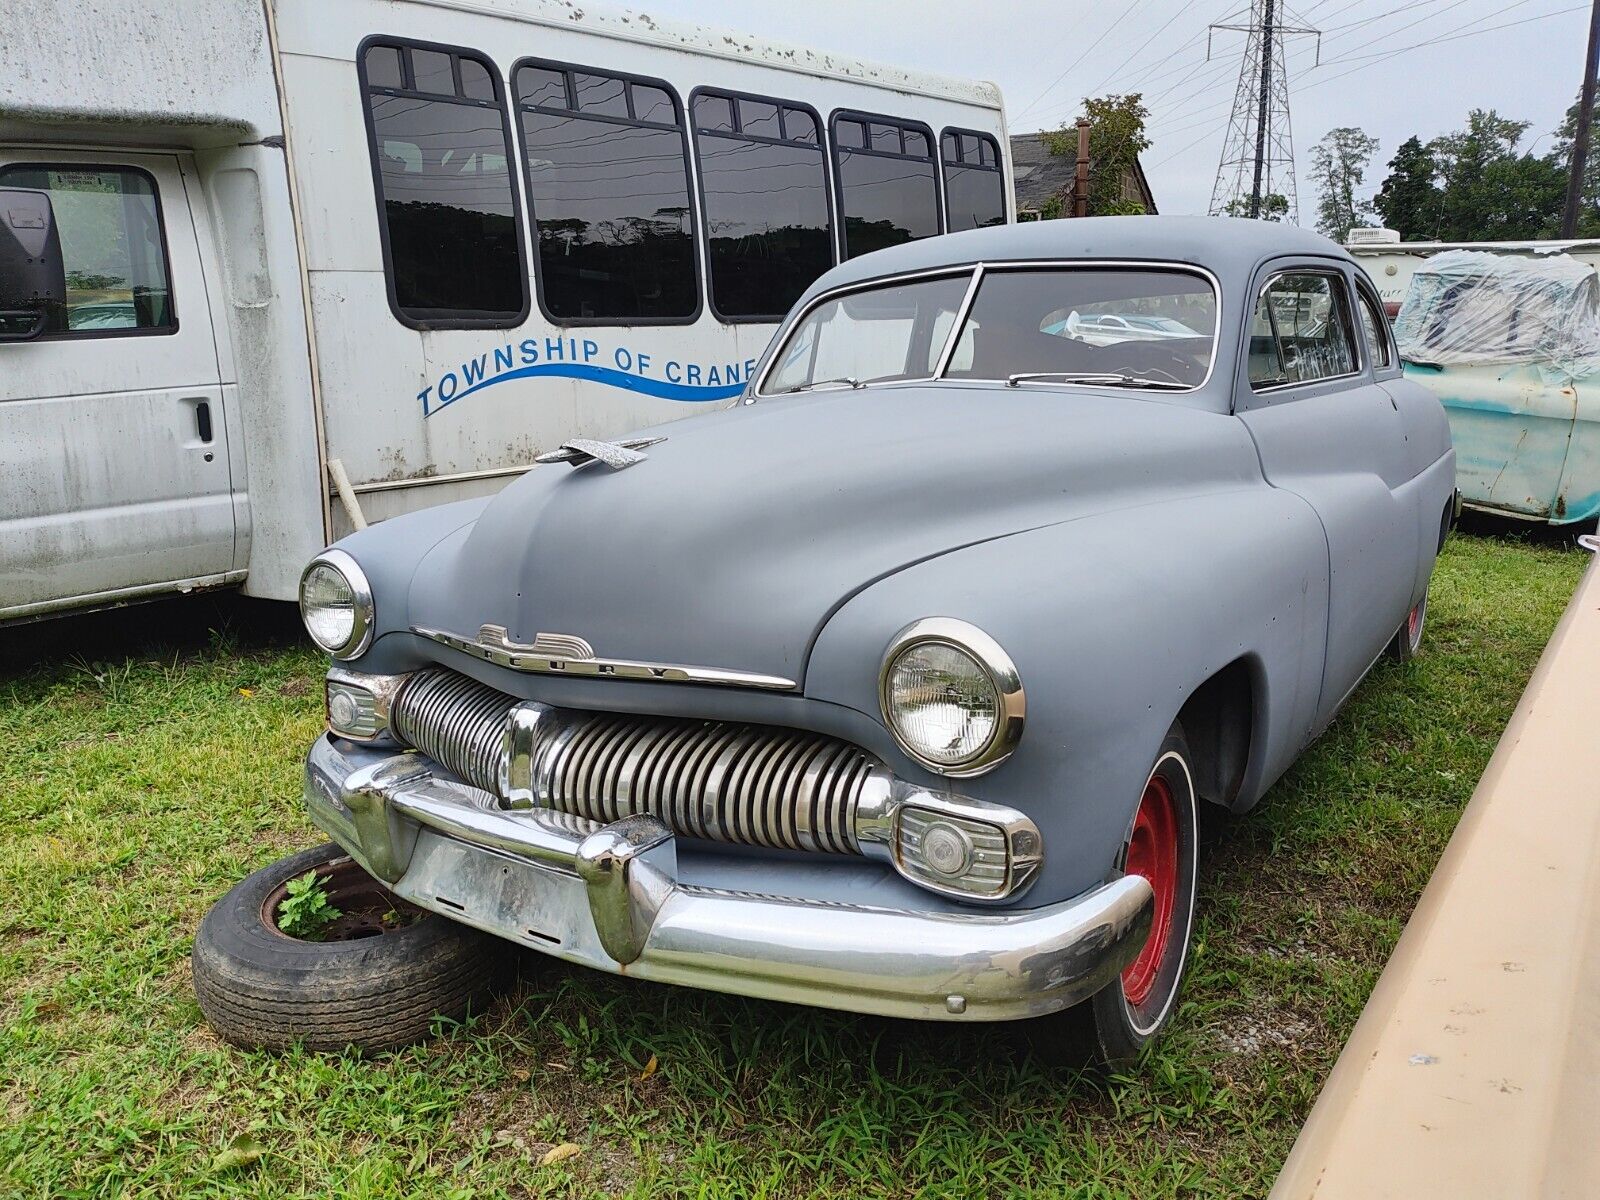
<point>375,978</point>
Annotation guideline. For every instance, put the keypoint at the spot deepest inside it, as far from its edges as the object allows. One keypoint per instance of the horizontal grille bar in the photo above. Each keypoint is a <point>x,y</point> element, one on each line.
<point>721,781</point>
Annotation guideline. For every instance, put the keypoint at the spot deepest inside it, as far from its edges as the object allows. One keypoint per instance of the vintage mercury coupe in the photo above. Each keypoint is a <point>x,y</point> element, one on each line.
<point>894,686</point>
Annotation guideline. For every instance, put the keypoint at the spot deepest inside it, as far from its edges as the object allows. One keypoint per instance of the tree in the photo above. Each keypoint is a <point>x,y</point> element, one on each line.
<point>1338,169</point>
<point>1561,157</point>
<point>1408,201</point>
<point>1274,207</point>
<point>1116,139</point>
<point>1490,192</point>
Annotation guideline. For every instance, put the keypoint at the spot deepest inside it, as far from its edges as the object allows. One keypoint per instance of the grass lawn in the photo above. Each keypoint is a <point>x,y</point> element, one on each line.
<point>135,788</point>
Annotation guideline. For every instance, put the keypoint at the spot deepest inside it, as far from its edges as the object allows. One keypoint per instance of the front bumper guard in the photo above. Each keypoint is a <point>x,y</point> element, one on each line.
<point>609,897</point>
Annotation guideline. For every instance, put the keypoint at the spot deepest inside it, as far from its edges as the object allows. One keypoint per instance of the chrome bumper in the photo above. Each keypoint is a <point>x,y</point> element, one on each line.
<point>609,897</point>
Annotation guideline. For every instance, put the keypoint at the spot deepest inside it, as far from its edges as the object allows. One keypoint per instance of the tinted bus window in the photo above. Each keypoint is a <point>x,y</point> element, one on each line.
<point>608,187</point>
<point>765,189</point>
<point>888,193</point>
<point>974,187</point>
<point>441,153</point>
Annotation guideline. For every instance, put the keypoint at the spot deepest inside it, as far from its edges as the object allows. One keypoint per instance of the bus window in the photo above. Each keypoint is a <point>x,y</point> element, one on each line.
<point>974,188</point>
<point>765,190</point>
<point>452,243</point>
<point>608,189</point>
<point>887,190</point>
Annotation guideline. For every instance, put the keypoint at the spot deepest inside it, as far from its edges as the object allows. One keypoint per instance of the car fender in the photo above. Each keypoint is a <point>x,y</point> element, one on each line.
<point>1113,622</point>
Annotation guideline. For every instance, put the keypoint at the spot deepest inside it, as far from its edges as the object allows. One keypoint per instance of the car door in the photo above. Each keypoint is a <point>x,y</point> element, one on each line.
<point>1327,431</point>
<point>114,467</point>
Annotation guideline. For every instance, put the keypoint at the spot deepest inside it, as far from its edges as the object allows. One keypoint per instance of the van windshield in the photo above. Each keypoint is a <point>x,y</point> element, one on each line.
<point>1149,328</point>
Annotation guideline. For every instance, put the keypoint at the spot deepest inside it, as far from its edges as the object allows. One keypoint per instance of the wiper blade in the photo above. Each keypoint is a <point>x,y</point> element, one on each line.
<point>1108,378</point>
<point>845,380</point>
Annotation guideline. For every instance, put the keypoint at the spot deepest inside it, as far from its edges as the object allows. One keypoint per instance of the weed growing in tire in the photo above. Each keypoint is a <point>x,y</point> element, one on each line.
<point>305,912</point>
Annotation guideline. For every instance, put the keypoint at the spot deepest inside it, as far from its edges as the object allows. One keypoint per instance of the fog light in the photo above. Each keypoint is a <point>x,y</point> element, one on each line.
<point>358,705</point>
<point>946,849</point>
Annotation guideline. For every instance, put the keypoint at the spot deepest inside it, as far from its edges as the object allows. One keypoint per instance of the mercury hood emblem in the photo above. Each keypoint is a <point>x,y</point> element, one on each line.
<point>618,455</point>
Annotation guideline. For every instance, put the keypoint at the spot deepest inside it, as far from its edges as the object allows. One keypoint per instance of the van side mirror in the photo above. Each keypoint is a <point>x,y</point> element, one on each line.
<point>33,278</point>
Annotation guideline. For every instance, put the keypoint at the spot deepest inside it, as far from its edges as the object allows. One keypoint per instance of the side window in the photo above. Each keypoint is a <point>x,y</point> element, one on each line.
<point>888,193</point>
<point>765,188</point>
<point>974,187</point>
<point>440,158</point>
<point>1375,326</point>
<point>1308,316</point>
<point>112,245</point>
<point>608,186</point>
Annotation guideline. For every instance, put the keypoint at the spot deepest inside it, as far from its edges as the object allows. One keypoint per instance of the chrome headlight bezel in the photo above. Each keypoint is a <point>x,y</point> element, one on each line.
<point>361,602</point>
<point>992,660</point>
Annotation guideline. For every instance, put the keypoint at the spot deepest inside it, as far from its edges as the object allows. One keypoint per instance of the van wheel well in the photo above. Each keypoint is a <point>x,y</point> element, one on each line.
<point>1217,722</point>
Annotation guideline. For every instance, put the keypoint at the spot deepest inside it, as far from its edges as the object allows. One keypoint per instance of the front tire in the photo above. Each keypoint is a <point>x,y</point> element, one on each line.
<point>383,975</point>
<point>1114,1026</point>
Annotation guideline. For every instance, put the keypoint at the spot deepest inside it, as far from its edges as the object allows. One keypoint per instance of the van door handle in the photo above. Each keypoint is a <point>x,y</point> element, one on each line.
<point>202,420</point>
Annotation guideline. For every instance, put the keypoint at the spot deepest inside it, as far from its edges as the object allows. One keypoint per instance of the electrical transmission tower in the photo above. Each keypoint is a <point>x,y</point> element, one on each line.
<point>1258,154</point>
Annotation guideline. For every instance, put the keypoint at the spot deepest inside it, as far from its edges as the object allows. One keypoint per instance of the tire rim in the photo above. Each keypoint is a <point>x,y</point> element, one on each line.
<point>366,908</point>
<point>1414,623</point>
<point>1153,853</point>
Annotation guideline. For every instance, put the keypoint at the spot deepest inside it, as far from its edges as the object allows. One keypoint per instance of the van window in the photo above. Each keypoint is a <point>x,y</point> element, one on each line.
<point>765,187</point>
<point>608,187</point>
<point>974,187</point>
<point>440,153</point>
<point>112,245</point>
<point>888,193</point>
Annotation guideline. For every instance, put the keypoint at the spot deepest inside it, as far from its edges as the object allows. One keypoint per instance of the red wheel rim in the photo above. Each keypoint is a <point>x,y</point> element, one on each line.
<point>1153,853</point>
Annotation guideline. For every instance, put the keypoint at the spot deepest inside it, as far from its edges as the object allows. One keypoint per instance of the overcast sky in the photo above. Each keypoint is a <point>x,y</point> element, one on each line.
<point>1047,56</point>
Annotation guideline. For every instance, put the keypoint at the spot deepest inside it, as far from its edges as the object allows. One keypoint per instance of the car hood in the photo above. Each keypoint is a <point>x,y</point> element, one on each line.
<point>744,530</point>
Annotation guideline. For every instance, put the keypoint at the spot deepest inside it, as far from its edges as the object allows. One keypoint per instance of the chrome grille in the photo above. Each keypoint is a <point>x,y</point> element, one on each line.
<point>746,784</point>
<point>456,721</point>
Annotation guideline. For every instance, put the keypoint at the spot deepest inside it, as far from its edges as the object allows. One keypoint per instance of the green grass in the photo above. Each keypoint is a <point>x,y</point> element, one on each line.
<point>135,790</point>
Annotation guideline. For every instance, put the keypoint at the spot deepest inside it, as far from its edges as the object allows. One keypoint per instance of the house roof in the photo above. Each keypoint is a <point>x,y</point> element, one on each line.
<point>1039,175</point>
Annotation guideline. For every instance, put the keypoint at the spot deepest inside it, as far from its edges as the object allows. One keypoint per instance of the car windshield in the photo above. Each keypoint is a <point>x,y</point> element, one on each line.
<point>1135,327</point>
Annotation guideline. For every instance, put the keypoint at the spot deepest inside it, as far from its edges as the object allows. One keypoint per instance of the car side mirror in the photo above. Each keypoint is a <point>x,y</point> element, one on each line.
<point>33,278</point>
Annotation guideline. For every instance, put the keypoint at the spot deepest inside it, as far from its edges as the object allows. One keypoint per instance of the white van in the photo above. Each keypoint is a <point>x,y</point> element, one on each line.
<point>324,262</point>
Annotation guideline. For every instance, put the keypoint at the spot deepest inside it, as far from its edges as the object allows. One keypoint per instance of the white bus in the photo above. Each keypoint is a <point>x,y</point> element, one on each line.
<point>325,262</point>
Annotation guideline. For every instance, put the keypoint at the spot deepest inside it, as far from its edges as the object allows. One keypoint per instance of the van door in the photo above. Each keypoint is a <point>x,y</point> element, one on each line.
<point>114,468</point>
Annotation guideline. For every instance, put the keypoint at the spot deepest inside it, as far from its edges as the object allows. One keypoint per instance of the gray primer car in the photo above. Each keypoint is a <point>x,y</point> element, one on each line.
<point>649,681</point>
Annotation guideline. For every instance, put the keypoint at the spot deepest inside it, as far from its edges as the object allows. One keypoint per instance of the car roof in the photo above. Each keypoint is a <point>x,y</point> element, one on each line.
<point>1230,247</point>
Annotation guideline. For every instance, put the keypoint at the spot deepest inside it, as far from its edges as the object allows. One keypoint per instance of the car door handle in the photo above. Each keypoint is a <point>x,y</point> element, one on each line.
<point>202,421</point>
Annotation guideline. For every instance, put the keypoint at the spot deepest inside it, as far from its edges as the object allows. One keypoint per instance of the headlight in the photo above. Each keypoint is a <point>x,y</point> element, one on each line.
<point>336,604</point>
<point>951,696</point>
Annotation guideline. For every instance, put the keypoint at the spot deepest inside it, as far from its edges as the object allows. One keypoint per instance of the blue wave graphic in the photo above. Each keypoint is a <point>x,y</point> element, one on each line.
<point>608,376</point>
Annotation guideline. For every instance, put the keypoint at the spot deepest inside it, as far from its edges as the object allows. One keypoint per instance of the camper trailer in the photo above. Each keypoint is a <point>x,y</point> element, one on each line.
<point>272,271</point>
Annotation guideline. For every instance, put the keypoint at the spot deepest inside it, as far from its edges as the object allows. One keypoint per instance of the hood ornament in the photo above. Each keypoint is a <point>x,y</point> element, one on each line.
<point>618,455</point>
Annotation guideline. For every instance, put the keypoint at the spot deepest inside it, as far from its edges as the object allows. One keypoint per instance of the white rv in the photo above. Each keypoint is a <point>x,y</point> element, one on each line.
<point>320,262</point>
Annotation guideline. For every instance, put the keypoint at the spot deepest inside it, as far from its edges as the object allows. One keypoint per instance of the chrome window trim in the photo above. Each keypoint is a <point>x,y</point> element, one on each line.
<point>363,606</point>
<point>978,270</point>
<point>1002,671</point>
<point>952,340</point>
<point>1138,264</point>
<point>1356,349</point>
<point>759,392</point>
